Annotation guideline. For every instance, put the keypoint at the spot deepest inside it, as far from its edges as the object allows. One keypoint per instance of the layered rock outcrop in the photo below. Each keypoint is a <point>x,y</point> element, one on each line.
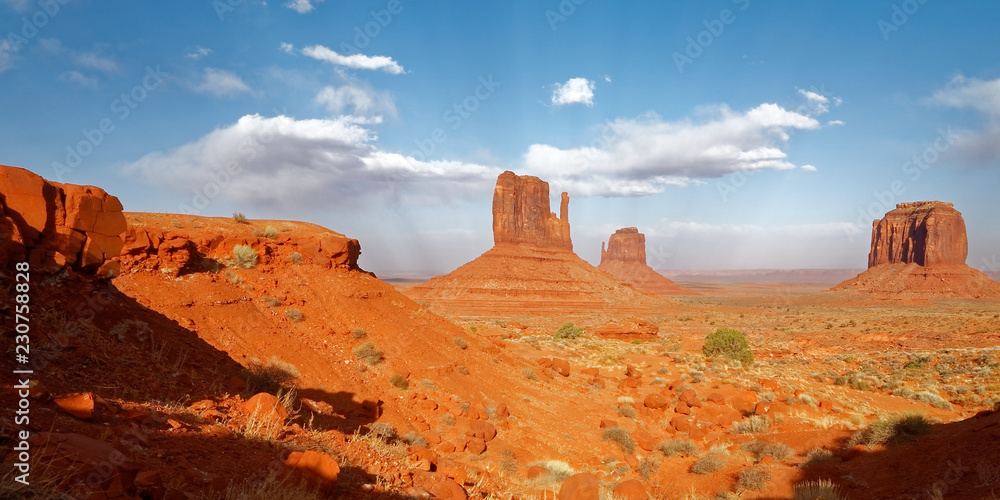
<point>918,251</point>
<point>149,246</point>
<point>624,257</point>
<point>55,226</point>
<point>926,233</point>
<point>521,213</point>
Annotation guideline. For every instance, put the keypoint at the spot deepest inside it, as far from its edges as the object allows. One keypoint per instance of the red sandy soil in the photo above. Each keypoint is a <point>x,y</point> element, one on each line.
<point>167,399</point>
<point>903,281</point>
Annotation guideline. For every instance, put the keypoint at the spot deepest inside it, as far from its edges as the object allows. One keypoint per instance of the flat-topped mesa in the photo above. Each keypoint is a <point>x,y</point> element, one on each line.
<point>626,245</point>
<point>521,213</point>
<point>926,233</point>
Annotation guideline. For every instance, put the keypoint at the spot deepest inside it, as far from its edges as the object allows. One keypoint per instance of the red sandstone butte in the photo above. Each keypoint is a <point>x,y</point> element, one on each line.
<point>625,259</point>
<point>919,250</point>
<point>55,226</point>
<point>926,233</point>
<point>521,213</point>
<point>531,266</point>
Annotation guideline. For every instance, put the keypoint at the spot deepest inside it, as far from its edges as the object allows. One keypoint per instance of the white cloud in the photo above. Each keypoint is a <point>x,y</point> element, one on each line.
<point>79,79</point>
<point>221,83</point>
<point>607,78</point>
<point>835,122</point>
<point>302,6</point>
<point>974,146</point>
<point>96,61</point>
<point>356,61</point>
<point>356,99</point>
<point>962,92</point>
<point>198,52</point>
<point>809,168</point>
<point>574,91</point>
<point>636,157</point>
<point>289,163</point>
<point>287,48</point>
<point>7,55</point>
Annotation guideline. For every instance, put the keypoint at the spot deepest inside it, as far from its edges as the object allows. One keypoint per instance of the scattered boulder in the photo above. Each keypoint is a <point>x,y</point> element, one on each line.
<point>316,466</point>
<point>79,405</point>
<point>561,366</point>
<point>630,490</point>
<point>582,486</point>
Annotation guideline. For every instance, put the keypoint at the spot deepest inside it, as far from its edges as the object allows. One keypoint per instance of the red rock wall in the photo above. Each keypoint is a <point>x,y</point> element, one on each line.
<point>922,233</point>
<point>626,245</point>
<point>521,213</point>
<point>55,226</point>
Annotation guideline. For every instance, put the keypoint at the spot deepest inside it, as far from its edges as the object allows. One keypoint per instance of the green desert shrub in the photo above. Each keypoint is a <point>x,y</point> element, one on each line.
<point>728,343</point>
<point>245,256</point>
<point>568,331</point>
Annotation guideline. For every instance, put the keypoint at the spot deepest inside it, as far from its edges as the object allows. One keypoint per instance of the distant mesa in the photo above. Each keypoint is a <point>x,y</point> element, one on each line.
<point>625,259</point>
<point>918,250</point>
<point>531,266</point>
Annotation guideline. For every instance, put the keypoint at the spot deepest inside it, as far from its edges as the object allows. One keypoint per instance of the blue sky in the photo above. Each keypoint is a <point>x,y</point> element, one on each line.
<point>734,133</point>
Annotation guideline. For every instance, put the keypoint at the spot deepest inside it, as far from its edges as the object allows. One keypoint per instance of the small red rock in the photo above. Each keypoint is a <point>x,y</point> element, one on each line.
<point>79,405</point>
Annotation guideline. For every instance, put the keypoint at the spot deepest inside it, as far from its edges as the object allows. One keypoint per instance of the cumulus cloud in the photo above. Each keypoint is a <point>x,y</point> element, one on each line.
<point>974,146</point>
<point>302,6</point>
<point>220,83</point>
<point>357,99</point>
<point>93,60</point>
<point>574,91</point>
<point>356,61</point>
<point>640,156</point>
<point>198,52</point>
<point>79,79</point>
<point>289,163</point>
<point>809,168</point>
<point>816,103</point>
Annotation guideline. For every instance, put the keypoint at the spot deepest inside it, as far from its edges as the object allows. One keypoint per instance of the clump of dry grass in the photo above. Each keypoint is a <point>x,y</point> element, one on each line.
<point>270,376</point>
<point>753,478</point>
<point>760,449</point>
<point>369,353</point>
<point>620,437</point>
<point>897,428</point>
<point>713,462</point>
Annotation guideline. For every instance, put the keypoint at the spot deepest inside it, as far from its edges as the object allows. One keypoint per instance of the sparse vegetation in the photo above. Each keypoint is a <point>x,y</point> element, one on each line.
<point>270,376</point>
<point>752,425</point>
<point>271,301</point>
<point>275,486</point>
<point>461,343</point>
<point>271,232</point>
<point>413,439</point>
<point>677,446</point>
<point>238,217</point>
<point>529,374</point>
<point>728,343</point>
<point>245,256</point>
<point>358,333</point>
<point>620,437</point>
<point>295,258</point>
<point>294,315</point>
<point>897,428</point>
<point>400,381</point>
<point>753,478</point>
<point>817,490</point>
<point>648,466</point>
<point>760,449</point>
<point>382,431</point>
<point>568,331</point>
<point>713,462</point>
<point>625,410</point>
<point>368,353</point>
